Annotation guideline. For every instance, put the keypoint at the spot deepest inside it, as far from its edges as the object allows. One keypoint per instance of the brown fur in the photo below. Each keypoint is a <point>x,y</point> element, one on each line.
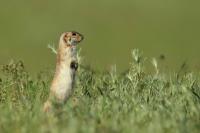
<point>62,86</point>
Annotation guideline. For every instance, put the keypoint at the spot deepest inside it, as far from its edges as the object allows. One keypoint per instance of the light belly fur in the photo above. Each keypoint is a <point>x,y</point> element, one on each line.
<point>64,83</point>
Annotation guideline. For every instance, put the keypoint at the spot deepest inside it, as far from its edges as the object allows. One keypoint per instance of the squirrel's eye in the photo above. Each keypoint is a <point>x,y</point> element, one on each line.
<point>73,34</point>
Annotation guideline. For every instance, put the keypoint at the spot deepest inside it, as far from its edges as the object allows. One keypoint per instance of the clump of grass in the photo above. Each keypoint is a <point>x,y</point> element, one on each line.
<point>102,101</point>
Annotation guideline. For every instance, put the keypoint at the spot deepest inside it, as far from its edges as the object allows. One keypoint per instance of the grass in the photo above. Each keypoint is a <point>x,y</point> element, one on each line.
<point>103,102</point>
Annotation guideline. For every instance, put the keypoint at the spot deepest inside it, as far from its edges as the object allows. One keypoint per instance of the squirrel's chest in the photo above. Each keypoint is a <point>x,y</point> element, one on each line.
<point>70,53</point>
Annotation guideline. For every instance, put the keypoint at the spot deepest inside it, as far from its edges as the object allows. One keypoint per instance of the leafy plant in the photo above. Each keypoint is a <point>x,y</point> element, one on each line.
<point>102,101</point>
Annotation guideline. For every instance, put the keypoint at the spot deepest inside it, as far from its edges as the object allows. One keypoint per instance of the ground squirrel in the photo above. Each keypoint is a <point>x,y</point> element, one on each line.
<point>66,67</point>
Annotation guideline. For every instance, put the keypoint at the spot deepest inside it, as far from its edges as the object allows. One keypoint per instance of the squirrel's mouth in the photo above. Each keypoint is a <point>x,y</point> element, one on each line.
<point>73,41</point>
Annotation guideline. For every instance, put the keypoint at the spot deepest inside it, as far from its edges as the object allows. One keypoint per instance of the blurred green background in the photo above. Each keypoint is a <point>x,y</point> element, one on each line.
<point>111,29</point>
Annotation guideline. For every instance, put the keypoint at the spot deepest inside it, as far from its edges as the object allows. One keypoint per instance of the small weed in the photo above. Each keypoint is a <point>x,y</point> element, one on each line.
<point>103,101</point>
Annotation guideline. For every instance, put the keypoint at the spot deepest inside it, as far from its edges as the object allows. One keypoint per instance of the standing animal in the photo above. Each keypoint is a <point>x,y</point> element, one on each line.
<point>66,67</point>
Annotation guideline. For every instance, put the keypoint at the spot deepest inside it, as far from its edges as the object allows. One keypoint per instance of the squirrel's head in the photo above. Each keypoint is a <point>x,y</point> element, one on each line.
<point>71,38</point>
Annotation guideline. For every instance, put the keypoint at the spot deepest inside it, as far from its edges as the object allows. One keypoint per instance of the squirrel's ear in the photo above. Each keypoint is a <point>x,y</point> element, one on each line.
<point>64,37</point>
